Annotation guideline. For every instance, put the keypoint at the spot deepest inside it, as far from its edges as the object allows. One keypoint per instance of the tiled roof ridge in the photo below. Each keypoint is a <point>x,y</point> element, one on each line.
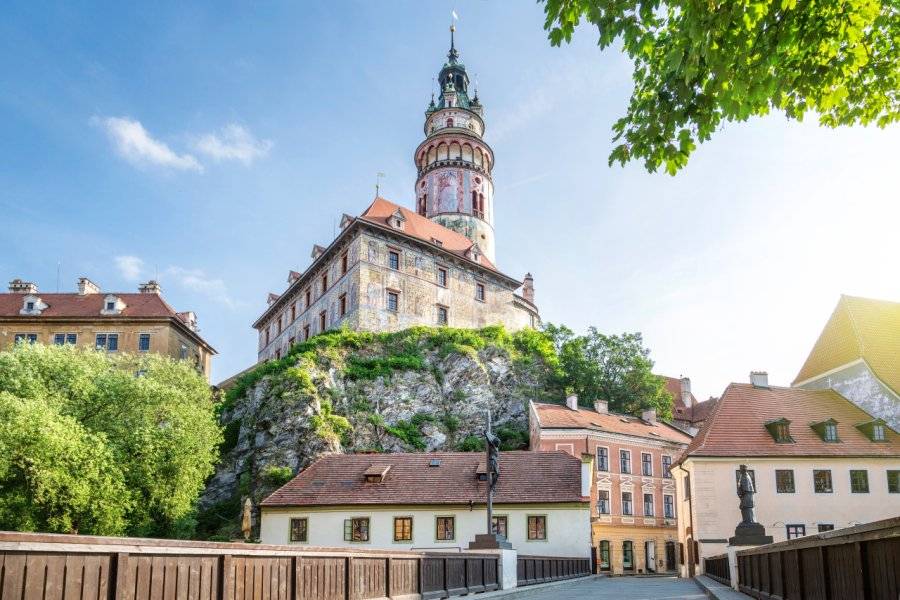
<point>699,441</point>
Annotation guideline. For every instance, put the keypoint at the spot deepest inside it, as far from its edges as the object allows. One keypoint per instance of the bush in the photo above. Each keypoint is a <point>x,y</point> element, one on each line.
<point>277,476</point>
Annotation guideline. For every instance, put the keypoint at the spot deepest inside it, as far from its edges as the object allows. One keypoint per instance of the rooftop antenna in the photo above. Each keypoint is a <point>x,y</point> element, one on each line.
<point>57,276</point>
<point>378,177</point>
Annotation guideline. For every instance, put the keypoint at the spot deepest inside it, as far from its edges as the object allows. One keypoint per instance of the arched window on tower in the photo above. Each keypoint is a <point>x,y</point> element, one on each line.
<point>474,203</point>
<point>450,122</point>
<point>481,205</point>
<point>422,204</point>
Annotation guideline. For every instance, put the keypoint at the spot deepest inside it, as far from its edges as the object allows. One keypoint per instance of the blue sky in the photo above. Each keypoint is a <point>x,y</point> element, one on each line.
<point>213,145</point>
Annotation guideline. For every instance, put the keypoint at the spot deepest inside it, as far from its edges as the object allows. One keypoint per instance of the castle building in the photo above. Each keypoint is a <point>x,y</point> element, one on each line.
<point>391,267</point>
<point>110,321</point>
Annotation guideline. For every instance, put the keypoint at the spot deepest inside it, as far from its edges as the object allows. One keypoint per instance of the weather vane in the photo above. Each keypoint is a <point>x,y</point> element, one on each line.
<point>378,177</point>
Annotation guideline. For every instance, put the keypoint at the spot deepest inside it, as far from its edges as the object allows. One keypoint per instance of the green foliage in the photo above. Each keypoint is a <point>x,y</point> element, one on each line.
<point>277,476</point>
<point>244,482</point>
<point>371,368</point>
<point>220,521</point>
<point>329,426</point>
<point>102,443</point>
<point>616,368</point>
<point>472,443</point>
<point>699,64</point>
<point>230,436</point>
<point>410,432</point>
<point>512,437</point>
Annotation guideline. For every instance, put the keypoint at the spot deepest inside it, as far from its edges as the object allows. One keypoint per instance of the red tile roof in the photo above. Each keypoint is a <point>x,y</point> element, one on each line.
<point>525,477</point>
<point>559,416</point>
<point>737,425</point>
<point>696,412</point>
<point>422,228</point>
<point>137,306</point>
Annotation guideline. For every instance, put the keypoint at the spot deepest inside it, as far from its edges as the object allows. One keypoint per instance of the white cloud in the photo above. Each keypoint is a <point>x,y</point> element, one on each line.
<point>130,267</point>
<point>138,147</point>
<point>233,142</point>
<point>196,280</point>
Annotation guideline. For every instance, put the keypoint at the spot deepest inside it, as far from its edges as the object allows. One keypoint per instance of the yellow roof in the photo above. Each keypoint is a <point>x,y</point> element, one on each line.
<point>859,328</point>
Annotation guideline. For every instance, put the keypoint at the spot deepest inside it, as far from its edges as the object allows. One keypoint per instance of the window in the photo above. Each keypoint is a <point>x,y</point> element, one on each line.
<point>648,505</point>
<point>31,338</point>
<point>442,277</point>
<point>780,430</point>
<point>859,481</point>
<point>393,301</point>
<point>647,464</point>
<point>144,342</point>
<point>823,527</point>
<point>822,481</point>
<point>278,354</point>
<point>356,529</point>
<point>537,527</point>
<point>403,529</point>
<point>795,531</point>
<point>342,305</point>
<point>279,324</point>
<point>321,321</point>
<point>874,430</point>
<point>667,466</point>
<point>445,527</point>
<point>624,461</point>
<point>878,432</point>
<point>627,508</point>
<point>831,432</point>
<point>628,555</point>
<point>668,506</point>
<point>65,338</point>
<point>183,353</point>
<point>299,530</point>
<point>267,336</point>
<point>394,260</point>
<point>308,298</point>
<point>737,479</point>
<point>324,283</point>
<point>602,459</point>
<point>893,480</point>
<point>293,312</point>
<point>343,263</point>
<point>479,292</point>
<point>110,306</point>
<point>603,502</point>
<point>29,306</point>
<point>442,315</point>
<point>305,332</point>
<point>604,555</point>
<point>108,342</point>
<point>499,525</point>
<point>784,481</point>
<point>291,341</point>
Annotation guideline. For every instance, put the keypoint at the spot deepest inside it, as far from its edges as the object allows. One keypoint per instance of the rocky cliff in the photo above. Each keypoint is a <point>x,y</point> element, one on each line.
<point>420,389</point>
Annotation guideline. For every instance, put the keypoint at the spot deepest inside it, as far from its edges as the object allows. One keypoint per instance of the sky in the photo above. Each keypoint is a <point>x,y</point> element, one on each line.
<point>210,146</point>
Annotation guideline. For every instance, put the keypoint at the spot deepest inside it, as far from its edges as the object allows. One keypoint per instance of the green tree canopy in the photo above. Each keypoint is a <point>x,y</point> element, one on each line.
<point>615,368</point>
<point>100,443</point>
<point>697,64</point>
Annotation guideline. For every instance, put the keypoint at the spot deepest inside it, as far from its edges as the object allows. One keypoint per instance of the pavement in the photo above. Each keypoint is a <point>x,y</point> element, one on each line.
<point>614,588</point>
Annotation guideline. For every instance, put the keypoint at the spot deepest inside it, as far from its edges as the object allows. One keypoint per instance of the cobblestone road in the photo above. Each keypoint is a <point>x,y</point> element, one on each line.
<point>620,588</point>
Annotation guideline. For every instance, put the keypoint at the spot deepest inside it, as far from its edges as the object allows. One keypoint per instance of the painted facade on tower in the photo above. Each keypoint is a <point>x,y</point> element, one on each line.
<point>392,267</point>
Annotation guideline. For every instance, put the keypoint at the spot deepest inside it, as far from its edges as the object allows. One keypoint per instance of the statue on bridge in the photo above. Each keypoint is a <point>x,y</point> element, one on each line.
<point>748,532</point>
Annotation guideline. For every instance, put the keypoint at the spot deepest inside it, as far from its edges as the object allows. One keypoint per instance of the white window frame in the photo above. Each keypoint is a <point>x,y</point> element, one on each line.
<point>622,500</point>
<point>597,458</point>
<point>106,334</point>
<point>652,503</point>
<point>643,454</point>
<point>674,510</point>
<point>663,465</point>
<point>630,463</point>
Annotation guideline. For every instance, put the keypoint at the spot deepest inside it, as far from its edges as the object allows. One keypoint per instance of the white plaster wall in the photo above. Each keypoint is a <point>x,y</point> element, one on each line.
<point>715,501</point>
<point>857,383</point>
<point>568,529</point>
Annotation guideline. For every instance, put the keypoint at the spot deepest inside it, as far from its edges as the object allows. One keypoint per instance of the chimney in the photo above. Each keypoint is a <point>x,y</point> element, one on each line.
<point>17,286</point>
<point>601,406</point>
<point>686,391</point>
<point>86,286</point>
<point>572,401</point>
<point>649,416</point>
<point>528,288</point>
<point>151,287</point>
<point>759,379</point>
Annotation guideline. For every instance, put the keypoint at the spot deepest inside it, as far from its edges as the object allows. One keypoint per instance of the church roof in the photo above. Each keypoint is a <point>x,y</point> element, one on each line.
<point>859,328</point>
<point>423,229</point>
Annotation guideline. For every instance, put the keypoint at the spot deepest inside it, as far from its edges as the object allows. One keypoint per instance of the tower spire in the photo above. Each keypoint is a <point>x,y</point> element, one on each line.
<point>453,54</point>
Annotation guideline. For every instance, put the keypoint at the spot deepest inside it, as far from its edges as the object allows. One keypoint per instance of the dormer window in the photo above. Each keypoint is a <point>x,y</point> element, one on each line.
<point>827,430</point>
<point>397,220</point>
<point>874,430</point>
<point>780,430</point>
<point>112,305</point>
<point>376,473</point>
<point>32,305</point>
<point>29,306</point>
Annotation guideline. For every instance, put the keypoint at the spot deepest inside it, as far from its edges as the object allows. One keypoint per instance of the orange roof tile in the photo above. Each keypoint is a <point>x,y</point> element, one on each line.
<point>137,306</point>
<point>859,328</point>
<point>525,477</point>
<point>737,425</point>
<point>562,417</point>
<point>422,228</point>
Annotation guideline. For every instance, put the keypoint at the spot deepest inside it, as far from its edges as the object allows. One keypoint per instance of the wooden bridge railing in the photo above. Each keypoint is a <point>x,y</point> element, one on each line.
<point>861,562</point>
<point>531,570</point>
<point>57,567</point>
<point>717,568</point>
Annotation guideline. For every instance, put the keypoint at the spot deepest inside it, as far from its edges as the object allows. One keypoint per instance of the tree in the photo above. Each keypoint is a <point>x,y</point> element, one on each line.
<point>699,64</point>
<point>615,368</point>
<point>145,423</point>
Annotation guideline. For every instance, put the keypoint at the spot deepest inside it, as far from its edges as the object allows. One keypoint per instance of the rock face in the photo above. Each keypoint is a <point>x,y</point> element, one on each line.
<point>420,394</point>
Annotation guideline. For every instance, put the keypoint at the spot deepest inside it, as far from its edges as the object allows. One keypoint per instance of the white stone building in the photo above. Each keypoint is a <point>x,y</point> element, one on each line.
<point>434,501</point>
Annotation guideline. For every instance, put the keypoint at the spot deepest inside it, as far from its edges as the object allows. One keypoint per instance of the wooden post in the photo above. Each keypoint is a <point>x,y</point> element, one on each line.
<point>387,578</point>
<point>348,587</point>
<point>121,582</point>
<point>227,587</point>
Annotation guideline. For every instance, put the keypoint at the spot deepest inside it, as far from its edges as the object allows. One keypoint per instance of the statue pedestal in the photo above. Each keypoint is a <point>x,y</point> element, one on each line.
<point>750,534</point>
<point>489,541</point>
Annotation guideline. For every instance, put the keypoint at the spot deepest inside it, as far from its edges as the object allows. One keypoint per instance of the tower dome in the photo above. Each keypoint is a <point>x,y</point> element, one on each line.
<point>454,186</point>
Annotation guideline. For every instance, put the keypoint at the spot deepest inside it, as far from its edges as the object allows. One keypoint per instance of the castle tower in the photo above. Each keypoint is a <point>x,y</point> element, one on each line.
<point>454,186</point>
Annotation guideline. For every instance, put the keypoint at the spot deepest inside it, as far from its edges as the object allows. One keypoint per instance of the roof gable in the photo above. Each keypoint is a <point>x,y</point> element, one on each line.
<point>859,328</point>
